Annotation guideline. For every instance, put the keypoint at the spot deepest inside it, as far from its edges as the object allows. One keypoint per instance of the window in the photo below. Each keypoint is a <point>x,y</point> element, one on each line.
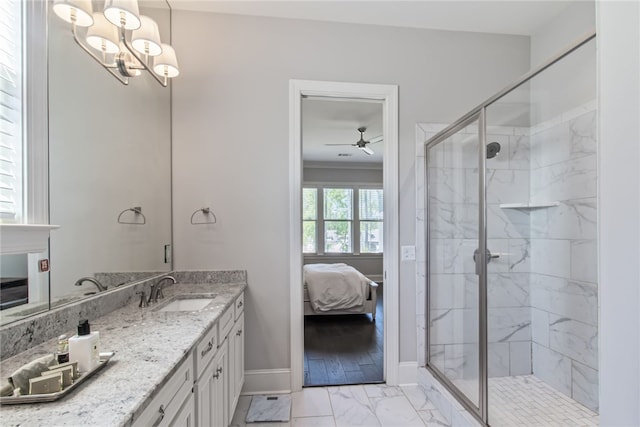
<point>371,212</point>
<point>11,112</point>
<point>23,127</point>
<point>338,216</point>
<point>309,219</point>
<point>351,220</point>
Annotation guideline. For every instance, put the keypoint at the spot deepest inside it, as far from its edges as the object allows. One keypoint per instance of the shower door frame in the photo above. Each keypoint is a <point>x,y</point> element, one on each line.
<point>481,413</point>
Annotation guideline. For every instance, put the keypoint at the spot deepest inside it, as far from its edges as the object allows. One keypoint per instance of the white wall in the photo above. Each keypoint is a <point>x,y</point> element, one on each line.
<point>230,131</point>
<point>618,26</point>
<point>569,83</point>
<point>575,21</point>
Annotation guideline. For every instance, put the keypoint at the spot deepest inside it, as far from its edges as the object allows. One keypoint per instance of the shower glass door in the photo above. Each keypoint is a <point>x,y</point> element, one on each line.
<point>453,236</point>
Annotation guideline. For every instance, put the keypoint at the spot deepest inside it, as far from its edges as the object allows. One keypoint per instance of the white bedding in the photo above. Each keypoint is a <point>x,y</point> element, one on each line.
<point>335,287</point>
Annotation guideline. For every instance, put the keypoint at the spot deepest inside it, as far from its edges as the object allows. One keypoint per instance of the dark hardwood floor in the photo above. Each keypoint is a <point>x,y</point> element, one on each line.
<point>341,350</point>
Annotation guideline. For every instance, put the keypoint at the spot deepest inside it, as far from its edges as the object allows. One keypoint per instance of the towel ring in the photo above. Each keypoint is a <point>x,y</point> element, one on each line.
<point>206,212</point>
<point>137,211</point>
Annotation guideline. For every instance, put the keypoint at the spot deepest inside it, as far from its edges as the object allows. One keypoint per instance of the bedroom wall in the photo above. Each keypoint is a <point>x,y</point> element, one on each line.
<point>231,145</point>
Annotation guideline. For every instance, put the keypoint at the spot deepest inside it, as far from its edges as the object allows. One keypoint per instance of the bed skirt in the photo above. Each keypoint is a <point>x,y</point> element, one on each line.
<point>369,304</point>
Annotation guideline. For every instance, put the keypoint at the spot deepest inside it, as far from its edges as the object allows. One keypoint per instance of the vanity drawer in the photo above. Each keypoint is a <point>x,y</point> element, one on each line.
<point>166,404</point>
<point>225,324</point>
<point>239,306</point>
<point>205,350</point>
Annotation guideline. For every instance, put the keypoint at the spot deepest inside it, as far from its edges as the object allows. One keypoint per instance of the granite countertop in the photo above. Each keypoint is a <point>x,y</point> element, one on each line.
<point>149,346</point>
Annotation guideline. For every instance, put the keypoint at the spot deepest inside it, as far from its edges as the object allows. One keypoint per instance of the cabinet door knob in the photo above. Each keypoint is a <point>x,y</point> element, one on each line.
<point>239,332</point>
<point>219,370</point>
<point>239,304</point>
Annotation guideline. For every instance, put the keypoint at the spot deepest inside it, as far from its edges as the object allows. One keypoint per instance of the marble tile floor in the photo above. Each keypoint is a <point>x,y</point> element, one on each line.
<point>358,405</point>
<point>528,401</point>
<point>269,408</point>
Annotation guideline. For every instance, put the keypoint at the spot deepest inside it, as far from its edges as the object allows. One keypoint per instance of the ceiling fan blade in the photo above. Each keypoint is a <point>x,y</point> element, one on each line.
<point>376,139</point>
<point>341,144</point>
<point>367,150</point>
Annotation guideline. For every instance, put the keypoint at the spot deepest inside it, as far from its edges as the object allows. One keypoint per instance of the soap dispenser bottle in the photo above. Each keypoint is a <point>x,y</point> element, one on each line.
<point>85,347</point>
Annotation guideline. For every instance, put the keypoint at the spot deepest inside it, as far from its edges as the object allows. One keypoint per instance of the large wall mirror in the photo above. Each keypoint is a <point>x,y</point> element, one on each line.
<point>109,153</point>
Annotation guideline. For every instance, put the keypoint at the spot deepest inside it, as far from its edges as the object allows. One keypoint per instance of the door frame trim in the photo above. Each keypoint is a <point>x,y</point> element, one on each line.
<point>388,94</point>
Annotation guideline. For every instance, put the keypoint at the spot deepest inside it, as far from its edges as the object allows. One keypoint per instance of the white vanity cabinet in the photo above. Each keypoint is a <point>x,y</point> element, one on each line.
<point>236,362</point>
<point>187,415</point>
<point>220,368</point>
<point>211,395</point>
<point>173,401</point>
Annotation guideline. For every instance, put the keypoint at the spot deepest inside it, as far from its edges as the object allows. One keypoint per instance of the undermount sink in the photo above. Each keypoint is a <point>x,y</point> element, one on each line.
<point>195,303</point>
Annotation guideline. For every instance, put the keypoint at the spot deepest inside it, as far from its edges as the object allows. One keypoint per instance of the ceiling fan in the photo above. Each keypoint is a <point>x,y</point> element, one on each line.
<point>362,144</point>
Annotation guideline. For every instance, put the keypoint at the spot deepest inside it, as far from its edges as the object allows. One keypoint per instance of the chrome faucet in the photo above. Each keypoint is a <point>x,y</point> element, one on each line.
<point>99,285</point>
<point>156,290</point>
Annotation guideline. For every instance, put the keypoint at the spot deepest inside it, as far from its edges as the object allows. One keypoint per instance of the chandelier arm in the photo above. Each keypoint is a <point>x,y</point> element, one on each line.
<point>124,42</point>
<point>109,67</point>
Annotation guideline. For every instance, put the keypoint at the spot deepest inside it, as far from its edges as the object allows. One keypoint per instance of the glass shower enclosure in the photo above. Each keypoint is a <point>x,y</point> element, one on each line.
<point>511,241</point>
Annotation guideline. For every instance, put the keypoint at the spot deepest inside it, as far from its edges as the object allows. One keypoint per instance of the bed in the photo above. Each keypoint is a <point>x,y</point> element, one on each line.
<point>338,289</point>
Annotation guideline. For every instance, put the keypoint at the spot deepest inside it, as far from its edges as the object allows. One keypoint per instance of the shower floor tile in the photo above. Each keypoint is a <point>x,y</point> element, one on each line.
<point>528,401</point>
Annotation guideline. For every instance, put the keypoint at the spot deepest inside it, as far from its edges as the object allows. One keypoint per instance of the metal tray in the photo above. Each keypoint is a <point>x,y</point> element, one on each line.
<point>52,397</point>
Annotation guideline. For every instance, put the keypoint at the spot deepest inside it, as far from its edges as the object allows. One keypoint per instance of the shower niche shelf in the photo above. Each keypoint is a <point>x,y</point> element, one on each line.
<point>538,205</point>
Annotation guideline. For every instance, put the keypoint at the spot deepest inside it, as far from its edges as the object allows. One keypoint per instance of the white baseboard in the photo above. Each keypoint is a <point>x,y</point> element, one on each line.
<point>276,381</point>
<point>267,381</point>
<point>408,373</point>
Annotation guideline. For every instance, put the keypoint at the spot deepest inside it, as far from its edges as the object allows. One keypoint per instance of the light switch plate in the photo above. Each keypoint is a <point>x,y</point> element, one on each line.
<point>408,253</point>
<point>167,254</point>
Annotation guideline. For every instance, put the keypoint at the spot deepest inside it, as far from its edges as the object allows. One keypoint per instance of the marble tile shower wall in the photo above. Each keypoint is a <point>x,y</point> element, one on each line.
<point>453,209</point>
<point>563,255</point>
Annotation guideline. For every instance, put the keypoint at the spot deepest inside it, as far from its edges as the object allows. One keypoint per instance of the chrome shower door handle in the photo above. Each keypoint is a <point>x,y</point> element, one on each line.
<point>490,256</point>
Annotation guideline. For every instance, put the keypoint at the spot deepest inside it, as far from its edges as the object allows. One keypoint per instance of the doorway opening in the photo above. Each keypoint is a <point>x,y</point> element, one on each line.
<point>342,241</point>
<point>337,219</point>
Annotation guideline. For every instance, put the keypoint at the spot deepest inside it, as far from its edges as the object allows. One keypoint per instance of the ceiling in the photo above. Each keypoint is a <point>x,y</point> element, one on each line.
<point>523,17</point>
<point>336,121</point>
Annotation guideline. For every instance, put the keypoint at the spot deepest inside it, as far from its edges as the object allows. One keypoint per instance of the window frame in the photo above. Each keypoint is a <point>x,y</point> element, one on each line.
<point>31,233</point>
<point>360,220</point>
<point>355,220</point>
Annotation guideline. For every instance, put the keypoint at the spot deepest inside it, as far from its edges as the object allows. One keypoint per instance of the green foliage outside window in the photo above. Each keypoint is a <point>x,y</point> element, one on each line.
<point>338,205</point>
<point>309,217</point>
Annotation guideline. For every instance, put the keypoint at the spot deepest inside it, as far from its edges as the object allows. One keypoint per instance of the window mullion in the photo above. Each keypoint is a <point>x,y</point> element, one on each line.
<point>355,225</point>
<point>320,221</point>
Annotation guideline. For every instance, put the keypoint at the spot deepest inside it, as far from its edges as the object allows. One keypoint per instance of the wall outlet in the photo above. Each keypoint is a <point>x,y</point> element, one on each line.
<point>408,253</point>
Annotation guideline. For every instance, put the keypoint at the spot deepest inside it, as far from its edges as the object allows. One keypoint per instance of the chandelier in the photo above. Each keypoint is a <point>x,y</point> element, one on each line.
<point>120,39</point>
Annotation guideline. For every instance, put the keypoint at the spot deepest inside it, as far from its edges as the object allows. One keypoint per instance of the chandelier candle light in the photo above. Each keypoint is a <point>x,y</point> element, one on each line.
<point>120,39</point>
